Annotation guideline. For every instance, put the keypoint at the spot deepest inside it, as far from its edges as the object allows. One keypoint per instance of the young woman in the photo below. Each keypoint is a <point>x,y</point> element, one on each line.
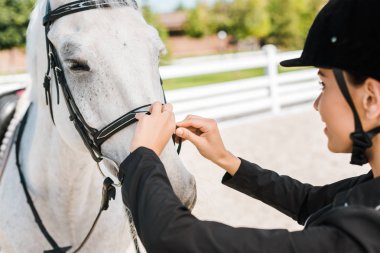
<point>343,44</point>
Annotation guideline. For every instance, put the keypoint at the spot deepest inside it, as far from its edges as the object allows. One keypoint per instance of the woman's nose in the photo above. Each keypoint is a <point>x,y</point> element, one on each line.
<point>316,102</point>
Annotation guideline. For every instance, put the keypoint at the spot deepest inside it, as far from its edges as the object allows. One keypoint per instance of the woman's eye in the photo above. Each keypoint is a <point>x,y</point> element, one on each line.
<point>322,84</point>
<point>75,65</point>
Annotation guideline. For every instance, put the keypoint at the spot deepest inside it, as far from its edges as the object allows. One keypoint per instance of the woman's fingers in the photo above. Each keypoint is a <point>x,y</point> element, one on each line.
<point>155,130</point>
<point>156,108</point>
<point>139,116</point>
<point>191,129</point>
<point>193,117</point>
<point>189,118</point>
<point>188,135</point>
<point>167,108</point>
<point>177,139</point>
<point>204,125</point>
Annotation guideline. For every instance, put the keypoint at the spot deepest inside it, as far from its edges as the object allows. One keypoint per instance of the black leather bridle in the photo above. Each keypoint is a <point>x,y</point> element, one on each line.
<point>92,138</point>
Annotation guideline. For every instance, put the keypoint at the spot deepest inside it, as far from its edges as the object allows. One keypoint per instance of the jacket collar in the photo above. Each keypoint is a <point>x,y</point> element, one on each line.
<point>365,194</point>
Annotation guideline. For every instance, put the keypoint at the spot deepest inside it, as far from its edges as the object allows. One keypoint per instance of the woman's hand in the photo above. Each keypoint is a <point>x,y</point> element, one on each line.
<point>154,131</point>
<point>205,135</point>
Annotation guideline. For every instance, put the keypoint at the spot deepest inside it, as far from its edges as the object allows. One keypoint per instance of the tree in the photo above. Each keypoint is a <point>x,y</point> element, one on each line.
<point>198,21</point>
<point>239,18</point>
<point>284,24</point>
<point>180,7</point>
<point>242,18</point>
<point>221,17</point>
<point>14,19</point>
<point>290,21</point>
<point>310,10</point>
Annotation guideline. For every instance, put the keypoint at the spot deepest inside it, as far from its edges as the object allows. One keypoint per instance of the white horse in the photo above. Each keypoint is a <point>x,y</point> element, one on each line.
<point>110,58</point>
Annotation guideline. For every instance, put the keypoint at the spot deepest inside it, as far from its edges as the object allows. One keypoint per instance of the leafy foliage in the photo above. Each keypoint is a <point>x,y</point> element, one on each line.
<point>14,18</point>
<point>284,23</point>
<point>290,21</point>
<point>198,21</point>
<point>241,18</point>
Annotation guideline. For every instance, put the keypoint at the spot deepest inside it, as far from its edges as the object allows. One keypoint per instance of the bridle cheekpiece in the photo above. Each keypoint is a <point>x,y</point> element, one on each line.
<point>92,138</point>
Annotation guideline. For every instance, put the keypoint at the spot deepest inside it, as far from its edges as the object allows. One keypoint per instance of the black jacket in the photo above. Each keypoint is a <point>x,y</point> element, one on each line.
<point>343,217</point>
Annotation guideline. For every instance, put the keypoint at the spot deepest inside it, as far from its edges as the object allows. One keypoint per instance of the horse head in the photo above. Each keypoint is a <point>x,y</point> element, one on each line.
<point>109,58</point>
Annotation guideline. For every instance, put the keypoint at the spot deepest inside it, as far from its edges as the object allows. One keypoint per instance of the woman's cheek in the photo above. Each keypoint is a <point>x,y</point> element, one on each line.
<point>338,132</point>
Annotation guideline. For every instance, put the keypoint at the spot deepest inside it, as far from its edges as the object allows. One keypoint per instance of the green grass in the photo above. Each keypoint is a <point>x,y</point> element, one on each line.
<point>285,70</point>
<point>193,81</point>
<point>12,73</point>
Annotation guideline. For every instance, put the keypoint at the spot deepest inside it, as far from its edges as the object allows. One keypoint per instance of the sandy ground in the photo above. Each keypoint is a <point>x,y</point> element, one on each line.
<point>292,144</point>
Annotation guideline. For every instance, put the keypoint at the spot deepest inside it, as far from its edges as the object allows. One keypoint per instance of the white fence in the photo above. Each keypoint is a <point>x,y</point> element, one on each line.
<point>272,93</point>
<point>10,83</point>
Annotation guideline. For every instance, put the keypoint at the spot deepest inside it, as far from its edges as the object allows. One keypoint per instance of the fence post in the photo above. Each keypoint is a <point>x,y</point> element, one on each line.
<point>272,73</point>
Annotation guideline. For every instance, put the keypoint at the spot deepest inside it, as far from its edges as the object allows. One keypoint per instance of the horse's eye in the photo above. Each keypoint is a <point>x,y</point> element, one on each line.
<point>78,65</point>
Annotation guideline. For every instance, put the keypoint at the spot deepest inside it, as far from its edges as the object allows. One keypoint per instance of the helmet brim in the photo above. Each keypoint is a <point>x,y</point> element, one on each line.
<point>296,62</point>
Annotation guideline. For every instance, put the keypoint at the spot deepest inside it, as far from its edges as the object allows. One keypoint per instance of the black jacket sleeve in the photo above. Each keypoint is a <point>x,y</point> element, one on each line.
<point>165,225</point>
<point>284,193</point>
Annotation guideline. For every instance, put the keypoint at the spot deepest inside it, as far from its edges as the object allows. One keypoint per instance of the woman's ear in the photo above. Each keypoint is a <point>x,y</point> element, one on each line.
<point>371,99</point>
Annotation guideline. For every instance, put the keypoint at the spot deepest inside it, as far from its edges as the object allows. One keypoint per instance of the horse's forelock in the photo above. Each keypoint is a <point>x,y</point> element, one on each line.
<point>131,3</point>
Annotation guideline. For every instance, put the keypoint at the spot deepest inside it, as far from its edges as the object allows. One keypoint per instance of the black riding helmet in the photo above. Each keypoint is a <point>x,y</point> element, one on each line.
<point>346,36</point>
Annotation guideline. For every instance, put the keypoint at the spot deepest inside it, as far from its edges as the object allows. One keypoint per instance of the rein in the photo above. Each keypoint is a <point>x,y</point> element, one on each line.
<point>108,193</point>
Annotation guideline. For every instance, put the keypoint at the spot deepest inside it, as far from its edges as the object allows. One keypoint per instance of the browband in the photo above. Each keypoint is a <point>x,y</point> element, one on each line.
<point>79,6</point>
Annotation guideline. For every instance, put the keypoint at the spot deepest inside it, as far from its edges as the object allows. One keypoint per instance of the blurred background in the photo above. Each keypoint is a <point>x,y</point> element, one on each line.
<point>188,27</point>
<point>223,63</point>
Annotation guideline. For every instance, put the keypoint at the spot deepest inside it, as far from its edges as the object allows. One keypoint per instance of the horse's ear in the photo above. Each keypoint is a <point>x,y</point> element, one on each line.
<point>135,4</point>
<point>132,3</point>
<point>163,51</point>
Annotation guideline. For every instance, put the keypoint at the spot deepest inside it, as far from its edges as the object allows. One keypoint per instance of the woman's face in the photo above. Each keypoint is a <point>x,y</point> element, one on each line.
<point>335,113</point>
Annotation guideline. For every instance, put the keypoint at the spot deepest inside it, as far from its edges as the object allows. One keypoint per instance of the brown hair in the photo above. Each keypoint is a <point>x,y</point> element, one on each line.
<point>356,78</point>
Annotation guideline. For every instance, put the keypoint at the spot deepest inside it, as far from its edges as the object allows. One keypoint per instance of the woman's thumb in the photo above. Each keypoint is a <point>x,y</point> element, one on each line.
<point>139,116</point>
<point>187,135</point>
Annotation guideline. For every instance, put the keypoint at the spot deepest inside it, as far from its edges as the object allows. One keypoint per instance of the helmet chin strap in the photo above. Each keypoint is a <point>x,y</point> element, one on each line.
<point>361,140</point>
